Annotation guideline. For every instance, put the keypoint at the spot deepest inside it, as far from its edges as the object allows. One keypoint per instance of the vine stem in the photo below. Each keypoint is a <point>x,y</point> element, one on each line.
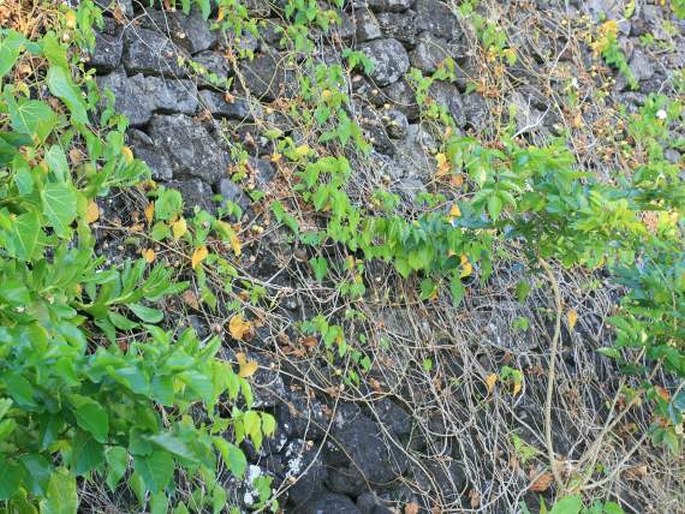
<point>551,374</point>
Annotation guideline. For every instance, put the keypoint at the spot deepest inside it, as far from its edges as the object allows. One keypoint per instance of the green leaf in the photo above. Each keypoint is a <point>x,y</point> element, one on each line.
<point>57,162</point>
<point>146,314</point>
<point>33,118</point>
<point>613,353</point>
<point>87,454</point>
<point>159,503</point>
<point>12,476</point>
<point>61,496</point>
<point>495,205</point>
<point>173,445</point>
<point>205,8</point>
<point>25,229</point>
<point>10,48</point>
<point>568,505</point>
<point>59,206</point>
<point>157,470</point>
<point>169,204</point>
<point>90,416</point>
<point>117,463</point>
<point>232,456</point>
<point>38,471</point>
<point>62,87</point>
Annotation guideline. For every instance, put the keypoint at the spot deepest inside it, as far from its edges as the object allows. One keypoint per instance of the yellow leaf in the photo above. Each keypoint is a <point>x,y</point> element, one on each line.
<point>128,154</point>
<point>517,386</point>
<point>239,327</point>
<point>235,243</point>
<point>179,227</point>
<point>572,318</point>
<point>443,165</point>
<point>490,381</point>
<point>301,151</point>
<point>92,212</point>
<point>149,255</point>
<point>275,157</point>
<point>466,266</point>
<point>70,19</point>
<point>150,211</point>
<point>199,255</point>
<point>454,212</point>
<point>247,368</point>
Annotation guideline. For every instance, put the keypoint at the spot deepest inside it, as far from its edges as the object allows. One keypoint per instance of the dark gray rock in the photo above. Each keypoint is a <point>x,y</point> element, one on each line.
<point>373,126</point>
<point>151,53</point>
<point>138,97</point>
<point>437,18</point>
<point>303,464</point>
<point>126,6</point>
<point>400,26</point>
<point>266,76</point>
<point>390,60</point>
<point>369,503</point>
<point>213,69</point>
<point>264,171</point>
<point>396,123</point>
<point>170,96</point>
<point>345,30</point>
<point>329,503</point>
<point>301,417</point>
<point>448,95</point>
<point>131,99</point>
<point>267,383</point>
<point>389,5</point>
<point>144,148</point>
<point>195,193</point>
<point>641,65</point>
<point>367,27</point>
<point>431,51</point>
<point>258,8</point>
<point>358,456</point>
<point>232,192</point>
<point>476,110</point>
<point>403,99</point>
<point>192,32</point>
<point>192,150</point>
<point>445,473</point>
<point>109,46</point>
<point>239,109</point>
<point>393,417</point>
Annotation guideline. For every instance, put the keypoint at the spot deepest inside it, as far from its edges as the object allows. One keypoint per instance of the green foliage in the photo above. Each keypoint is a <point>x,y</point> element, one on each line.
<point>90,382</point>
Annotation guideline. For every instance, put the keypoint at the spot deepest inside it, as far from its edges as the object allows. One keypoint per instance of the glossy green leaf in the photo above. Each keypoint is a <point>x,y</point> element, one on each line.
<point>91,416</point>
<point>59,206</point>
<point>62,87</point>
<point>61,496</point>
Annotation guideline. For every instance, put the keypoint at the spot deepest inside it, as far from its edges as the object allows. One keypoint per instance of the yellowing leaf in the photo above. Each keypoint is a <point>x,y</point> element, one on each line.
<point>92,212</point>
<point>150,211</point>
<point>149,255</point>
<point>235,243</point>
<point>517,387</point>
<point>239,327</point>
<point>572,318</point>
<point>301,151</point>
<point>128,154</point>
<point>179,227</point>
<point>455,212</point>
<point>246,368</point>
<point>199,255</point>
<point>490,381</point>
<point>466,266</point>
<point>275,157</point>
<point>443,165</point>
